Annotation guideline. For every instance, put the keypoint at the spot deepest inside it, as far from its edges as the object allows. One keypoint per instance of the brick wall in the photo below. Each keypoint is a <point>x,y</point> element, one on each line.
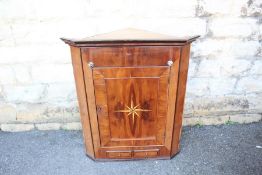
<point>36,80</point>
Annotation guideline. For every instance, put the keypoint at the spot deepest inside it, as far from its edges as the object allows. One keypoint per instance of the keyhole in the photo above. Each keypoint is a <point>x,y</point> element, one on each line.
<point>98,108</point>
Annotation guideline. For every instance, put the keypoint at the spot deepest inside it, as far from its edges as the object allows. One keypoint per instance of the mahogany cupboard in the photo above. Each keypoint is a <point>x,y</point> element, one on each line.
<point>131,86</point>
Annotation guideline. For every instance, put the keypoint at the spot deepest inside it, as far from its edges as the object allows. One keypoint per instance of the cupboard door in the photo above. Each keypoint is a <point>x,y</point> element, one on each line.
<point>131,105</point>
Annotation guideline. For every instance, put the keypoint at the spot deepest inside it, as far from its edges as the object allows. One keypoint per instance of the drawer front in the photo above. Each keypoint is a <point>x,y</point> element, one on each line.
<point>119,155</point>
<point>129,56</point>
<point>145,153</point>
<point>134,154</point>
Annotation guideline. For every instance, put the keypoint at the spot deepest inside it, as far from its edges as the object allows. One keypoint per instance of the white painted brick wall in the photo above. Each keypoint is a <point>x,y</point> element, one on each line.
<point>24,93</point>
<point>51,73</point>
<point>174,26</point>
<point>36,79</point>
<point>198,87</point>
<point>58,92</point>
<point>255,102</point>
<point>7,75</point>
<point>22,73</point>
<point>209,68</point>
<point>233,27</point>
<point>222,7</point>
<point>235,67</point>
<point>218,86</point>
<point>257,68</point>
<point>251,84</point>
<point>7,113</point>
<point>226,48</point>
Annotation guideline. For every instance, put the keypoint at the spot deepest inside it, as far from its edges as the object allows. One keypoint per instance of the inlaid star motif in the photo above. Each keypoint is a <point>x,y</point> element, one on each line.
<point>132,110</point>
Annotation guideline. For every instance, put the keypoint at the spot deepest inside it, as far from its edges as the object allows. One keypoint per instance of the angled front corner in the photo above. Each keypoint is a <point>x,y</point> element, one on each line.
<point>82,100</point>
<point>181,90</point>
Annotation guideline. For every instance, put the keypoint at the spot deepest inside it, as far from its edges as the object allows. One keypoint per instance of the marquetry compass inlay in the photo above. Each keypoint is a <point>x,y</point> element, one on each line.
<point>133,111</point>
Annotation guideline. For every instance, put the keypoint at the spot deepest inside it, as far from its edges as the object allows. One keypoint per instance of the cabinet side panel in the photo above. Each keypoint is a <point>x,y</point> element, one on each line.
<point>82,100</point>
<point>183,69</point>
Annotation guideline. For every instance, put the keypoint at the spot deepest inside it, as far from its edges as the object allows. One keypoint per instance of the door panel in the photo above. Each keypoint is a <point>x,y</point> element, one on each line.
<point>131,105</point>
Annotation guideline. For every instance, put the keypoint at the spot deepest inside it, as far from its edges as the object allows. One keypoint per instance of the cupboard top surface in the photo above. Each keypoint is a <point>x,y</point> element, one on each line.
<point>130,35</point>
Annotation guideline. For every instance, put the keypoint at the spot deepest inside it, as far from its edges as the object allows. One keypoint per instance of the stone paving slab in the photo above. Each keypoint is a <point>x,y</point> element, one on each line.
<point>225,149</point>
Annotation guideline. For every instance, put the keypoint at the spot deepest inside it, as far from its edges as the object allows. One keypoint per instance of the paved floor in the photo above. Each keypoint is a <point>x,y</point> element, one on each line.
<point>227,149</point>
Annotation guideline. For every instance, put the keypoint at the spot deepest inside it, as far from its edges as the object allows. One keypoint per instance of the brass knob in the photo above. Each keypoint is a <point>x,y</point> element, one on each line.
<point>91,64</point>
<point>170,63</point>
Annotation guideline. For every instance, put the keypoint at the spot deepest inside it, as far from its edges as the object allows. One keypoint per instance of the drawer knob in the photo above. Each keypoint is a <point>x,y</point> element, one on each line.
<point>91,64</point>
<point>170,63</point>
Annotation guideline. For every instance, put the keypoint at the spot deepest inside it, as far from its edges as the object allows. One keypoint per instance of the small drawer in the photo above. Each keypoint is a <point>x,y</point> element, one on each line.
<point>145,153</point>
<point>118,154</point>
